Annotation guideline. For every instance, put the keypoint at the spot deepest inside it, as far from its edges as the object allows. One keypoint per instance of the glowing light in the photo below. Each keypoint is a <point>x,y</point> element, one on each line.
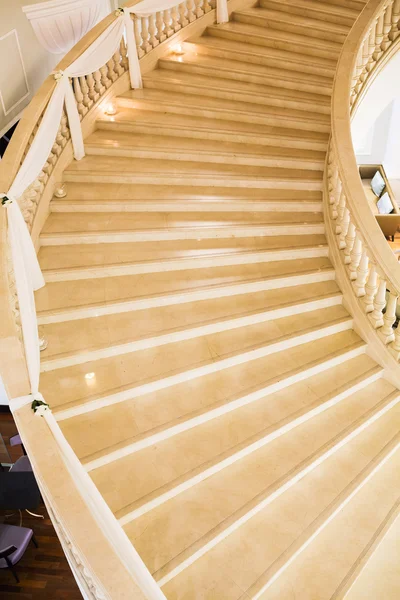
<point>177,49</point>
<point>60,191</point>
<point>89,376</point>
<point>110,108</point>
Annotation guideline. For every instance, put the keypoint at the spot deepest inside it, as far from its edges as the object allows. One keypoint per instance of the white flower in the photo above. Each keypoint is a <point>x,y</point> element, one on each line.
<point>58,75</point>
<point>41,410</point>
<point>118,12</point>
<point>5,201</point>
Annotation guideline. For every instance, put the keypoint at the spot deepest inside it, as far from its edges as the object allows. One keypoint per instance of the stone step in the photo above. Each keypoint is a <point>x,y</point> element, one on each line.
<point>111,295</point>
<point>266,95</point>
<point>324,11</point>
<point>209,45</point>
<point>332,35</point>
<point>157,416</point>
<point>247,72</point>
<point>144,371</point>
<point>323,487</point>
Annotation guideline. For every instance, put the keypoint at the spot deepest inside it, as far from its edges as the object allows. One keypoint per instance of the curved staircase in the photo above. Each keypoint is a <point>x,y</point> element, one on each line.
<point>200,361</point>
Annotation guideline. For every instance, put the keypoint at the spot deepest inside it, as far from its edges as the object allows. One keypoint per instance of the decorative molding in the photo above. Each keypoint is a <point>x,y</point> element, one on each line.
<point>24,81</point>
<point>60,24</point>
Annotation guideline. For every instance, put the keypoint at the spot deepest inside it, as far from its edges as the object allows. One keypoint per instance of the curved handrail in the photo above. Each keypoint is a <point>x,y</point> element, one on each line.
<point>372,266</point>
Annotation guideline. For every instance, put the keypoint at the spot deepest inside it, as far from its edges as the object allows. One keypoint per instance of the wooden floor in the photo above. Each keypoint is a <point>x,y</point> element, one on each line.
<point>44,571</point>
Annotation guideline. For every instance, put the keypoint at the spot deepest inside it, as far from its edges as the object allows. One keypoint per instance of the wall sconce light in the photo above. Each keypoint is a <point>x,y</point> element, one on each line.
<point>177,49</point>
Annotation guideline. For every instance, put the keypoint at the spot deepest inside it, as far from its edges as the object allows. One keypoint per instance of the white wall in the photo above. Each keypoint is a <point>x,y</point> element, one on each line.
<point>376,124</point>
<point>3,395</point>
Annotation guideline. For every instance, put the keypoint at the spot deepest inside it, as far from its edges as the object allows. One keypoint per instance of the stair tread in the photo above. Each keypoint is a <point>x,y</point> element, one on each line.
<point>181,121</point>
<point>131,192</point>
<point>151,99</point>
<point>113,289</point>
<point>266,89</point>
<point>237,66</point>
<point>102,222</point>
<point>255,31</point>
<point>136,369</point>
<point>155,411</point>
<point>270,534</point>
<point>84,336</point>
<point>263,51</point>
<point>324,7</point>
<point>298,20</point>
<point>99,255</point>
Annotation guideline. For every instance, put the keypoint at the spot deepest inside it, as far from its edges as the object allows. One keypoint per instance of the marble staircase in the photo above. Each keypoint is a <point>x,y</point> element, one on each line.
<point>207,374</point>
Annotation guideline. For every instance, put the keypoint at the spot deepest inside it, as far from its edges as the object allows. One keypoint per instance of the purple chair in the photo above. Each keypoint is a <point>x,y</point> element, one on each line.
<point>13,543</point>
<point>15,440</point>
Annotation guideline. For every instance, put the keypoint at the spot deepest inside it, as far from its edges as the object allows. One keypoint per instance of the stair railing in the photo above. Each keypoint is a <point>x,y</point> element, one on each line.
<point>372,271</point>
<point>103,64</point>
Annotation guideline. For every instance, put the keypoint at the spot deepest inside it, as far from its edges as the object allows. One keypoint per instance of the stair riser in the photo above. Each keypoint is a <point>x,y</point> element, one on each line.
<point>167,382</point>
<point>325,518</point>
<point>313,122</point>
<point>316,32</point>
<point>182,298</point>
<point>212,134</point>
<point>357,5</point>
<point>59,239</point>
<point>236,75</point>
<point>339,19</point>
<point>206,157</point>
<point>162,340</point>
<point>244,258</point>
<point>261,40</point>
<point>188,206</point>
<point>257,59</point>
<point>239,96</point>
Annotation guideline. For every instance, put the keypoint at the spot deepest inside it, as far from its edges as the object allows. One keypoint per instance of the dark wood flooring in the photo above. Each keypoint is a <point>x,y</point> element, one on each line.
<point>44,571</point>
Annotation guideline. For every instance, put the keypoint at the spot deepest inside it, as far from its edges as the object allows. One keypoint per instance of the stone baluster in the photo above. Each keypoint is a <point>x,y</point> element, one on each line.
<point>153,31</point>
<point>98,86</point>
<point>138,37</point>
<point>371,47</point>
<point>389,319</point>
<point>355,257</point>
<point>344,225</point>
<point>64,127</point>
<point>79,98</point>
<point>395,346</point>
<point>104,77</point>
<point>182,14</point>
<point>176,26</point>
<point>340,210</point>
<point>146,46</point>
<point>370,289</point>
<point>206,6</point>
<point>387,27</point>
<point>191,11</point>
<point>161,36</point>
<point>362,274</point>
<point>87,102</point>
<point>395,20</point>
<point>111,74</point>
<point>168,23</point>
<point>336,197</point>
<point>124,55</point>
<point>118,68</point>
<point>378,37</point>
<point>349,240</point>
<point>199,12</point>
<point>93,95</point>
<point>376,315</point>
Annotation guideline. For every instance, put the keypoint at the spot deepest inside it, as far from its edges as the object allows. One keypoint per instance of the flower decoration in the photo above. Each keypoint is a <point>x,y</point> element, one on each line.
<point>119,12</point>
<point>5,200</point>
<point>58,75</point>
<point>39,406</point>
